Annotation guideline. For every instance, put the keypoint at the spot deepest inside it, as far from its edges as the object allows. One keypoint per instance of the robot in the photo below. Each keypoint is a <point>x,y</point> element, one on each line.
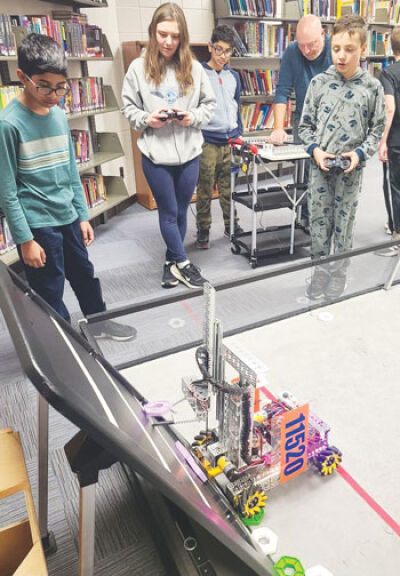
<point>247,452</point>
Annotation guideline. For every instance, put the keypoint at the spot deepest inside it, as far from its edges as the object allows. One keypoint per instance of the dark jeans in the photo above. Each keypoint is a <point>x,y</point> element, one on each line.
<point>172,188</point>
<point>391,188</point>
<point>66,257</point>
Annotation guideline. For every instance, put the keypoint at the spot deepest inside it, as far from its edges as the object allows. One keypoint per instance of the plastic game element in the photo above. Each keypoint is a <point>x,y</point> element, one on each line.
<point>338,163</point>
<point>266,539</point>
<point>171,115</point>
<point>318,571</point>
<point>254,520</point>
<point>157,408</point>
<point>289,566</point>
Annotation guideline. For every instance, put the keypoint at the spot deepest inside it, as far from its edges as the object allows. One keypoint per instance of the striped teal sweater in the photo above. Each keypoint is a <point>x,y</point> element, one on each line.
<point>39,182</point>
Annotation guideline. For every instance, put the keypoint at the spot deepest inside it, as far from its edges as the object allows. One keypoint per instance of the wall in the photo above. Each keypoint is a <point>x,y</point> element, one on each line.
<point>121,21</point>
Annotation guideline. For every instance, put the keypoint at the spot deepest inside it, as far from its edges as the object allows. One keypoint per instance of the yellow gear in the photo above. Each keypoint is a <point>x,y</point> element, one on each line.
<point>330,464</point>
<point>254,503</point>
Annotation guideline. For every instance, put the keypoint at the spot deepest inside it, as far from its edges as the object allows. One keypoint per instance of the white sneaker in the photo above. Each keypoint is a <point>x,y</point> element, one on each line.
<point>387,229</point>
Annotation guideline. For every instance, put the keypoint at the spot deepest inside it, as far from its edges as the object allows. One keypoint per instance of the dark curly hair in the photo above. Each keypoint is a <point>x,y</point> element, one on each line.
<point>40,54</point>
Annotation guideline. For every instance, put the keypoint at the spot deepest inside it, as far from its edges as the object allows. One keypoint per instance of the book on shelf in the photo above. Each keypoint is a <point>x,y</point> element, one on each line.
<point>9,92</point>
<point>256,8</point>
<point>258,116</point>
<point>86,94</point>
<point>258,82</point>
<point>94,189</point>
<point>375,67</point>
<point>69,29</point>
<point>6,240</point>
<point>80,140</point>
<point>7,38</point>
<point>261,38</point>
<point>378,43</point>
<point>74,26</point>
<point>95,48</point>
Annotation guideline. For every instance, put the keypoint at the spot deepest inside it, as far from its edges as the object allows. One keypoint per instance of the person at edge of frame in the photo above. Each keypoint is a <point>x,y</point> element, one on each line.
<point>167,95</point>
<point>304,58</point>
<point>342,123</point>
<point>40,190</point>
<point>389,148</point>
<point>215,159</point>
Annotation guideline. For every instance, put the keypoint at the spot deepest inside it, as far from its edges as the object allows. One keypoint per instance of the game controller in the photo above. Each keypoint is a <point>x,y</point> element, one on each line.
<point>172,115</point>
<point>339,163</point>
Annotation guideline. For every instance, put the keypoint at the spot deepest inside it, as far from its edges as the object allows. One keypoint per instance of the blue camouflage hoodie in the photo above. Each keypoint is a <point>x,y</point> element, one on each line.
<point>342,115</point>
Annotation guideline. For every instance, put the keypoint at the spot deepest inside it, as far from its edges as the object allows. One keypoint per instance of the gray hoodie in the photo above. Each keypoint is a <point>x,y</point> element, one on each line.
<point>342,115</point>
<point>171,144</point>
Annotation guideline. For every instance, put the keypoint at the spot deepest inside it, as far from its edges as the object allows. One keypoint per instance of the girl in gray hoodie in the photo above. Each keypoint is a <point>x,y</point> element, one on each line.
<point>167,95</point>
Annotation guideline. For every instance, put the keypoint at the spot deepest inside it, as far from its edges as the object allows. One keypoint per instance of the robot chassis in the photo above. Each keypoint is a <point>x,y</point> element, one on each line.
<point>245,453</point>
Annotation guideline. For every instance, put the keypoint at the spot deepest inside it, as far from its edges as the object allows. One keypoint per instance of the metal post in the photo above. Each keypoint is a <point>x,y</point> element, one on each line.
<point>87,508</point>
<point>43,458</point>
<point>233,181</point>
<point>48,541</point>
<point>254,214</point>
<point>294,208</point>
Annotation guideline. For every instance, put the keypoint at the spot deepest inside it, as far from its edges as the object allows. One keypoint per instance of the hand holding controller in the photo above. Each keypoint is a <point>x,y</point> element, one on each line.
<point>172,115</point>
<point>338,163</point>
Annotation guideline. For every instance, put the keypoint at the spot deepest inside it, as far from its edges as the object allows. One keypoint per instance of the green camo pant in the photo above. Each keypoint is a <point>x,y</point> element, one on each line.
<point>215,167</point>
<point>333,201</point>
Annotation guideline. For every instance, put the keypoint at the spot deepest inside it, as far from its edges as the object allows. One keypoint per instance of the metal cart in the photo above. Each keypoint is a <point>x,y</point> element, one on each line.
<point>261,242</point>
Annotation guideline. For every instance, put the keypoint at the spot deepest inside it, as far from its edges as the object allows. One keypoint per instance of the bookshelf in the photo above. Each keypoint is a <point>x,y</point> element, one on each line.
<point>105,146</point>
<point>130,51</point>
<point>255,33</point>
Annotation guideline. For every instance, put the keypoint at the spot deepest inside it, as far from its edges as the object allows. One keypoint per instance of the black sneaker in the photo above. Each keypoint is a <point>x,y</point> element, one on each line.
<point>318,284</point>
<point>168,280</point>
<point>189,275</point>
<point>238,230</point>
<point>336,286</point>
<point>203,239</point>
<point>113,331</point>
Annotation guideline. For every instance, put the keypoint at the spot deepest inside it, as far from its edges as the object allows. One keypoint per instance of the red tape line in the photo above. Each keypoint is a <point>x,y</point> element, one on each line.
<point>391,522</point>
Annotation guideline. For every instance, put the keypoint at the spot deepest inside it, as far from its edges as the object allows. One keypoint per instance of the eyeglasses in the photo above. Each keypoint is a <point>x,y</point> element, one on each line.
<point>221,52</point>
<point>46,90</point>
<point>309,45</point>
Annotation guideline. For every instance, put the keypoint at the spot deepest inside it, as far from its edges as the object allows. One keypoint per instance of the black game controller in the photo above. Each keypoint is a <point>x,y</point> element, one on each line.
<point>338,163</point>
<point>172,115</point>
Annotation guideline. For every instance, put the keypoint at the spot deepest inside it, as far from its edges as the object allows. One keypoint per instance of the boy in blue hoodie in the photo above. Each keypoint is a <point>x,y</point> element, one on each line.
<point>215,160</point>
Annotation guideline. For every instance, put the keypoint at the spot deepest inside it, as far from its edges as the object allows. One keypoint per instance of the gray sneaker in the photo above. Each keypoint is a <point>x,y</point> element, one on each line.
<point>108,329</point>
<point>317,284</point>
<point>337,285</point>
<point>391,251</point>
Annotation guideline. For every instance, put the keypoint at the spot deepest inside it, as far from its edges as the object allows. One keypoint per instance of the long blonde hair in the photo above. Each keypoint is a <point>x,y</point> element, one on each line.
<point>154,61</point>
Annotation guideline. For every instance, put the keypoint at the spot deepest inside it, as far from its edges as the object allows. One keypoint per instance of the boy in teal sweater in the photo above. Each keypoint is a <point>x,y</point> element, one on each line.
<point>40,189</point>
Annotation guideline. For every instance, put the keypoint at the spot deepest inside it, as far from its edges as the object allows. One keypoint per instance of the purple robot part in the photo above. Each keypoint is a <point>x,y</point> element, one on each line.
<point>184,452</point>
<point>157,408</point>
